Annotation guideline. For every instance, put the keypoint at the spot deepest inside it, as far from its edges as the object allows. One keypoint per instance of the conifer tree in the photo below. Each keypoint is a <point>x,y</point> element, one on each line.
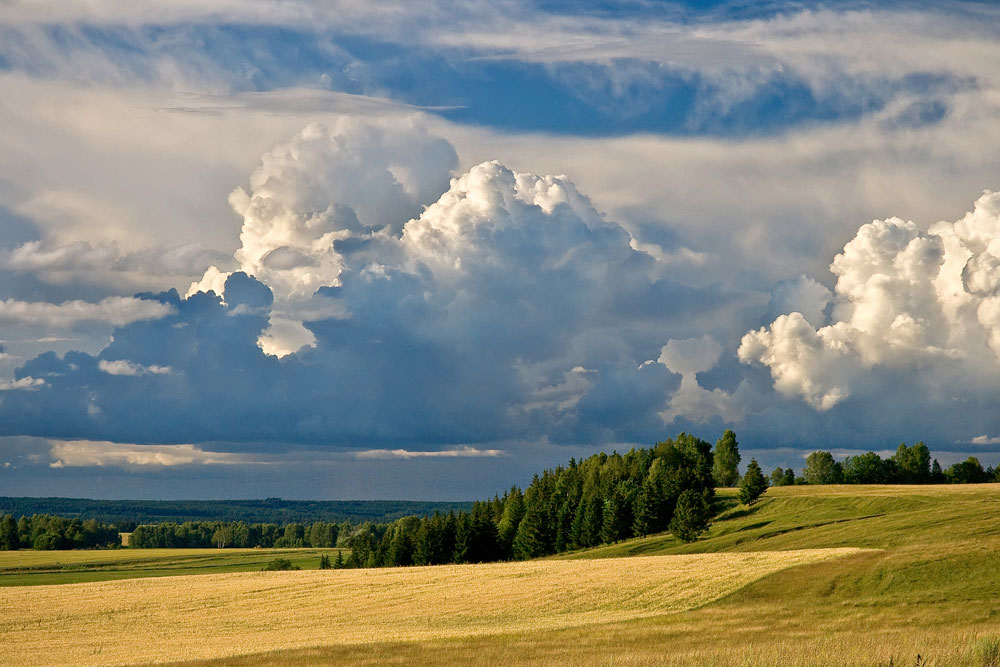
<point>593,521</point>
<point>753,484</point>
<point>690,516</point>
<point>529,541</point>
<point>513,512</point>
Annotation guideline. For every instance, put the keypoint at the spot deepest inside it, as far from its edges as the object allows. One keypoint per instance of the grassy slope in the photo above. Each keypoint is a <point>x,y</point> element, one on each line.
<point>932,590</point>
<point>30,568</point>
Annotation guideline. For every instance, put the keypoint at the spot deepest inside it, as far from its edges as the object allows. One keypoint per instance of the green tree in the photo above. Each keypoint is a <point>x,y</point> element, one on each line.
<point>790,479</point>
<point>513,512</point>
<point>937,475</point>
<point>223,536</point>
<point>9,540</point>
<point>913,464</point>
<point>529,541</point>
<point>822,469</point>
<point>690,516</point>
<point>651,507</point>
<point>753,485</point>
<point>969,471</point>
<point>726,460</point>
<point>869,468</point>
<point>324,562</point>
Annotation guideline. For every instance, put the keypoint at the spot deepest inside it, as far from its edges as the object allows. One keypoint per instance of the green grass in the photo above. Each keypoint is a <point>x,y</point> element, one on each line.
<point>32,568</point>
<point>931,589</point>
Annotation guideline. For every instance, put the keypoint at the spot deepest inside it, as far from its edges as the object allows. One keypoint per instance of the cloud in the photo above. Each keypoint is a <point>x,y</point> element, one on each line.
<point>25,383</point>
<point>328,185</point>
<point>505,306</point>
<point>904,299</point>
<point>85,259</point>
<point>985,440</point>
<point>88,453</point>
<point>124,367</point>
<point>117,311</point>
<point>460,452</point>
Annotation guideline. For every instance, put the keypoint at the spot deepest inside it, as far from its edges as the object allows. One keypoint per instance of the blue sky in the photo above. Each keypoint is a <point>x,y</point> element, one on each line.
<point>330,250</point>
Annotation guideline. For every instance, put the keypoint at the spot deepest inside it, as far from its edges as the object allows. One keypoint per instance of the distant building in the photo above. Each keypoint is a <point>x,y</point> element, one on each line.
<point>125,537</point>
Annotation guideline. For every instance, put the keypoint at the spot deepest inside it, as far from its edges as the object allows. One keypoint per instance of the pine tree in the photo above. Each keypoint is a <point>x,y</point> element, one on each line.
<point>753,485</point>
<point>690,516</point>
<point>338,562</point>
<point>726,460</point>
<point>324,562</point>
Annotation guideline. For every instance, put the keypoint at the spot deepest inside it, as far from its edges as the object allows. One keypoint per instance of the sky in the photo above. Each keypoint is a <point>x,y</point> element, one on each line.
<point>351,250</point>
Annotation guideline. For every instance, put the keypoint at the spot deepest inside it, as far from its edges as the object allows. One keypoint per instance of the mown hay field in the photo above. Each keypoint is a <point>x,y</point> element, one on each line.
<point>212,616</point>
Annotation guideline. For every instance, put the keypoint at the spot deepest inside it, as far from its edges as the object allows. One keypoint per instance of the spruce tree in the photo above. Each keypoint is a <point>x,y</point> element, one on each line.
<point>513,512</point>
<point>529,541</point>
<point>690,516</point>
<point>753,484</point>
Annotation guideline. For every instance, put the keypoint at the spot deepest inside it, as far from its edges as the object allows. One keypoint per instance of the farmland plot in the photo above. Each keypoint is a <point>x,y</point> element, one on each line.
<point>206,616</point>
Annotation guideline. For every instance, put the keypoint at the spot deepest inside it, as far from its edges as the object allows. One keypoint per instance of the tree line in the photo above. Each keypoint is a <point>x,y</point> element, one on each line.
<point>909,465</point>
<point>599,500</point>
<point>236,534</point>
<point>129,513</point>
<point>46,532</point>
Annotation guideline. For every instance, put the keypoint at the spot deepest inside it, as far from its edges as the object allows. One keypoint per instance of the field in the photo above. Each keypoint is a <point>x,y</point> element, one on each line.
<point>212,615</point>
<point>913,578</point>
<point>32,568</point>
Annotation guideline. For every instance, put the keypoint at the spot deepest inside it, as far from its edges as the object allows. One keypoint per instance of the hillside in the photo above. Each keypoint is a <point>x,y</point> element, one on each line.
<point>930,589</point>
<point>849,575</point>
<point>798,517</point>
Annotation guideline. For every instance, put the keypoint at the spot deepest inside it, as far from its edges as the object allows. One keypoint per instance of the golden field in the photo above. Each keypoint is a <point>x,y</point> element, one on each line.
<point>213,616</point>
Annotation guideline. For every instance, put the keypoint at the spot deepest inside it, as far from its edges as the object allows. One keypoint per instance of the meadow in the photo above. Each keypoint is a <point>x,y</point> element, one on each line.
<point>851,575</point>
<point>34,568</point>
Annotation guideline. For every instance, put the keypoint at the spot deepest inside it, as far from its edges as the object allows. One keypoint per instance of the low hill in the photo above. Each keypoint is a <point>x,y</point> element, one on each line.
<point>800,517</point>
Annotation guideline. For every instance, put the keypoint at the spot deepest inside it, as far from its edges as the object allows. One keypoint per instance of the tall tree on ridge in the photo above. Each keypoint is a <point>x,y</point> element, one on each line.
<point>726,460</point>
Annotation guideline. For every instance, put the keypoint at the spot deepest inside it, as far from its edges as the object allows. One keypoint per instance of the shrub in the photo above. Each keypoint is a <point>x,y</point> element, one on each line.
<point>280,564</point>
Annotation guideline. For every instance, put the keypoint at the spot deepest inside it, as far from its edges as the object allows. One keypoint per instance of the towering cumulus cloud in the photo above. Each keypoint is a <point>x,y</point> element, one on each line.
<point>904,300</point>
<point>327,184</point>
<point>379,301</point>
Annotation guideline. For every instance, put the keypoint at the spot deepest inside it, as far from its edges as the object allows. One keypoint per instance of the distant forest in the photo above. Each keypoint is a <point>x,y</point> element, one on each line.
<point>129,513</point>
<point>599,500</point>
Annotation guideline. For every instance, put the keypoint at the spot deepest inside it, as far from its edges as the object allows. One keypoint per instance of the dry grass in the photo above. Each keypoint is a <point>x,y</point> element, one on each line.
<point>210,616</point>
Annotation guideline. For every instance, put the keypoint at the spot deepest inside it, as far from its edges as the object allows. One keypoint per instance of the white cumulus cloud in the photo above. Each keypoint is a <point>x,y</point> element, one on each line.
<point>904,299</point>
